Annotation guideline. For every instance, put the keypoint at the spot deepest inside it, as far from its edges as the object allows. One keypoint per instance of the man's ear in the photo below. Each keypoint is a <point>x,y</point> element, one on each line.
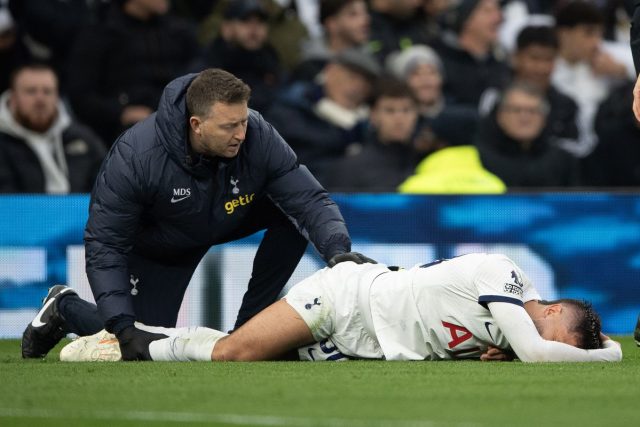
<point>195,123</point>
<point>553,309</point>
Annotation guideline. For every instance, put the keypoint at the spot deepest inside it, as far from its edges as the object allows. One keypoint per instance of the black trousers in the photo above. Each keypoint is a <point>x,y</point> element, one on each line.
<point>160,287</point>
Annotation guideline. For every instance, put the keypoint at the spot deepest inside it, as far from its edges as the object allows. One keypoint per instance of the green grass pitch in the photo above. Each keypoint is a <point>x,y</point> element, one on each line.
<point>361,394</point>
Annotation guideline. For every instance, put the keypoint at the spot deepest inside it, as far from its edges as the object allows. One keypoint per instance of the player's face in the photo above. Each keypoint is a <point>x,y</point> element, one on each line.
<point>426,82</point>
<point>394,119</point>
<point>34,99</point>
<point>534,64</point>
<point>222,132</point>
<point>352,23</point>
<point>553,324</point>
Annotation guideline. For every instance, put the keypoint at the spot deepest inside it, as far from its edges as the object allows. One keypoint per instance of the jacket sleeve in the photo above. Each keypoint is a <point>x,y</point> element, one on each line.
<point>295,190</point>
<point>114,212</point>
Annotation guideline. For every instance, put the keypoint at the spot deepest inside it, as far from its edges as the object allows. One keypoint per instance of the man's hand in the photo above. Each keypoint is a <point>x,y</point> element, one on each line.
<point>494,353</point>
<point>636,99</point>
<point>134,343</point>
<point>356,257</point>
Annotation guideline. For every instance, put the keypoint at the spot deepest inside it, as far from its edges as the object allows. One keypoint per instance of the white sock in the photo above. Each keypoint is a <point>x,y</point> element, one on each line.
<point>187,344</point>
<point>170,332</point>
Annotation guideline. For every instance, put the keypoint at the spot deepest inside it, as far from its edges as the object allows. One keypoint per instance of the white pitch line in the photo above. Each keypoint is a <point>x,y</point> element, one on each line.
<point>234,419</point>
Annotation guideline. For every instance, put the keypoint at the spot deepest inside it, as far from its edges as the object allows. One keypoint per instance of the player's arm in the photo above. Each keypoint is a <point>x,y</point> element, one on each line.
<point>529,346</point>
<point>114,214</point>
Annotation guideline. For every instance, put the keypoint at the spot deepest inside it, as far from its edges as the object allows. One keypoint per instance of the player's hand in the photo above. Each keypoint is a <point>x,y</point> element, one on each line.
<point>356,257</point>
<point>134,343</point>
<point>496,354</point>
<point>636,99</point>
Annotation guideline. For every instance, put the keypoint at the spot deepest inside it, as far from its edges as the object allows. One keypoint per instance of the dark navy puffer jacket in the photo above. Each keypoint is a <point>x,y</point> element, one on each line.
<point>155,199</point>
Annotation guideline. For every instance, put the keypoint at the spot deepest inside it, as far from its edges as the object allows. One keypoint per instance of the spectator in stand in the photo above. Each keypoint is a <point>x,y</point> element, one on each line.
<point>395,25</point>
<point>586,70</point>
<point>242,48</point>
<point>119,68</point>
<point>471,58</point>
<point>346,26</point>
<point>388,156</point>
<point>8,46</point>
<point>514,146</point>
<point>41,149</point>
<point>286,29</point>
<point>47,28</point>
<point>320,121</point>
<point>441,123</point>
<point>533,62</point>
<point>432,11</point>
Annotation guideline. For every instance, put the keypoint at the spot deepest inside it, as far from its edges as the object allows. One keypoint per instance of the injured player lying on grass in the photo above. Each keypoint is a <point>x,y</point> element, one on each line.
<point>476,306</point>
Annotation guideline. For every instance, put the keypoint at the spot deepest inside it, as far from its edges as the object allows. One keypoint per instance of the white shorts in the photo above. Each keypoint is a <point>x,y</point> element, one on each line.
<point>334,302</point>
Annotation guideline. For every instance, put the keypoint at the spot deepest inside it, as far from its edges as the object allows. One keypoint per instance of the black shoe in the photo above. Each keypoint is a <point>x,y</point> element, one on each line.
<point>636,334</point>
<point>47,328</point>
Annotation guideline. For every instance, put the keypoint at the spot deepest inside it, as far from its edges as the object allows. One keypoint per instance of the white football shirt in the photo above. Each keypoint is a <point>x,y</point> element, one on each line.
<point>439,310</point>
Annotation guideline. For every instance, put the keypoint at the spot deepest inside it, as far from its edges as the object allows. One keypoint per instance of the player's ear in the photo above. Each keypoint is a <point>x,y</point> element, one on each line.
<point>553,309</point>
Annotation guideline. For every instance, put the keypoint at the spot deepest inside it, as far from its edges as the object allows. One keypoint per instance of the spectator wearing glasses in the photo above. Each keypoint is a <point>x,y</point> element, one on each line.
<point>514,143</point>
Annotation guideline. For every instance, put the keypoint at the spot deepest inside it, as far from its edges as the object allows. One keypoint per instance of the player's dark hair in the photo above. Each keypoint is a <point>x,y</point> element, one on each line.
<point>391,88</point>
<point>537,35</point>
<point>34,66</point>
<point>586,325</point>
<point>578,13</point>
<point>215,85</point>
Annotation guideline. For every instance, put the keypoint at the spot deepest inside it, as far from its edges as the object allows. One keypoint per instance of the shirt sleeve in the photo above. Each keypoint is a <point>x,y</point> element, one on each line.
<point>498,279</point>
<point>529,346</point>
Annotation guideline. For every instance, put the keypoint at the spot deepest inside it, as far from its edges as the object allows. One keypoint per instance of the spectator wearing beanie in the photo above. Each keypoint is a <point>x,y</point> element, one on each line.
<point>442,123</point>
<point>472,60</point>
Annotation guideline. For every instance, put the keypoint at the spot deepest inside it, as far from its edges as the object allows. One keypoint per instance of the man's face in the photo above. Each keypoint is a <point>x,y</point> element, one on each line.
<point>346,87</point>
<point>250,34</point>
<point>403,8</point>
<point>426,82</point>
<point>581,42</point>
<point>222,131</point>
<point>155,7</point>
<point>521,116</point>
<point>534,64</point>
<point>484,21</point>
<point>394,119</point>
<point>34,99</point>
<point>435,7</point>
<point>351,24</point>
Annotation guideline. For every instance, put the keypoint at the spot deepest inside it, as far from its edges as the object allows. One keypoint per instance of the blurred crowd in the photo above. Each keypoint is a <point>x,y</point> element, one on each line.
<point>415,96</point>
